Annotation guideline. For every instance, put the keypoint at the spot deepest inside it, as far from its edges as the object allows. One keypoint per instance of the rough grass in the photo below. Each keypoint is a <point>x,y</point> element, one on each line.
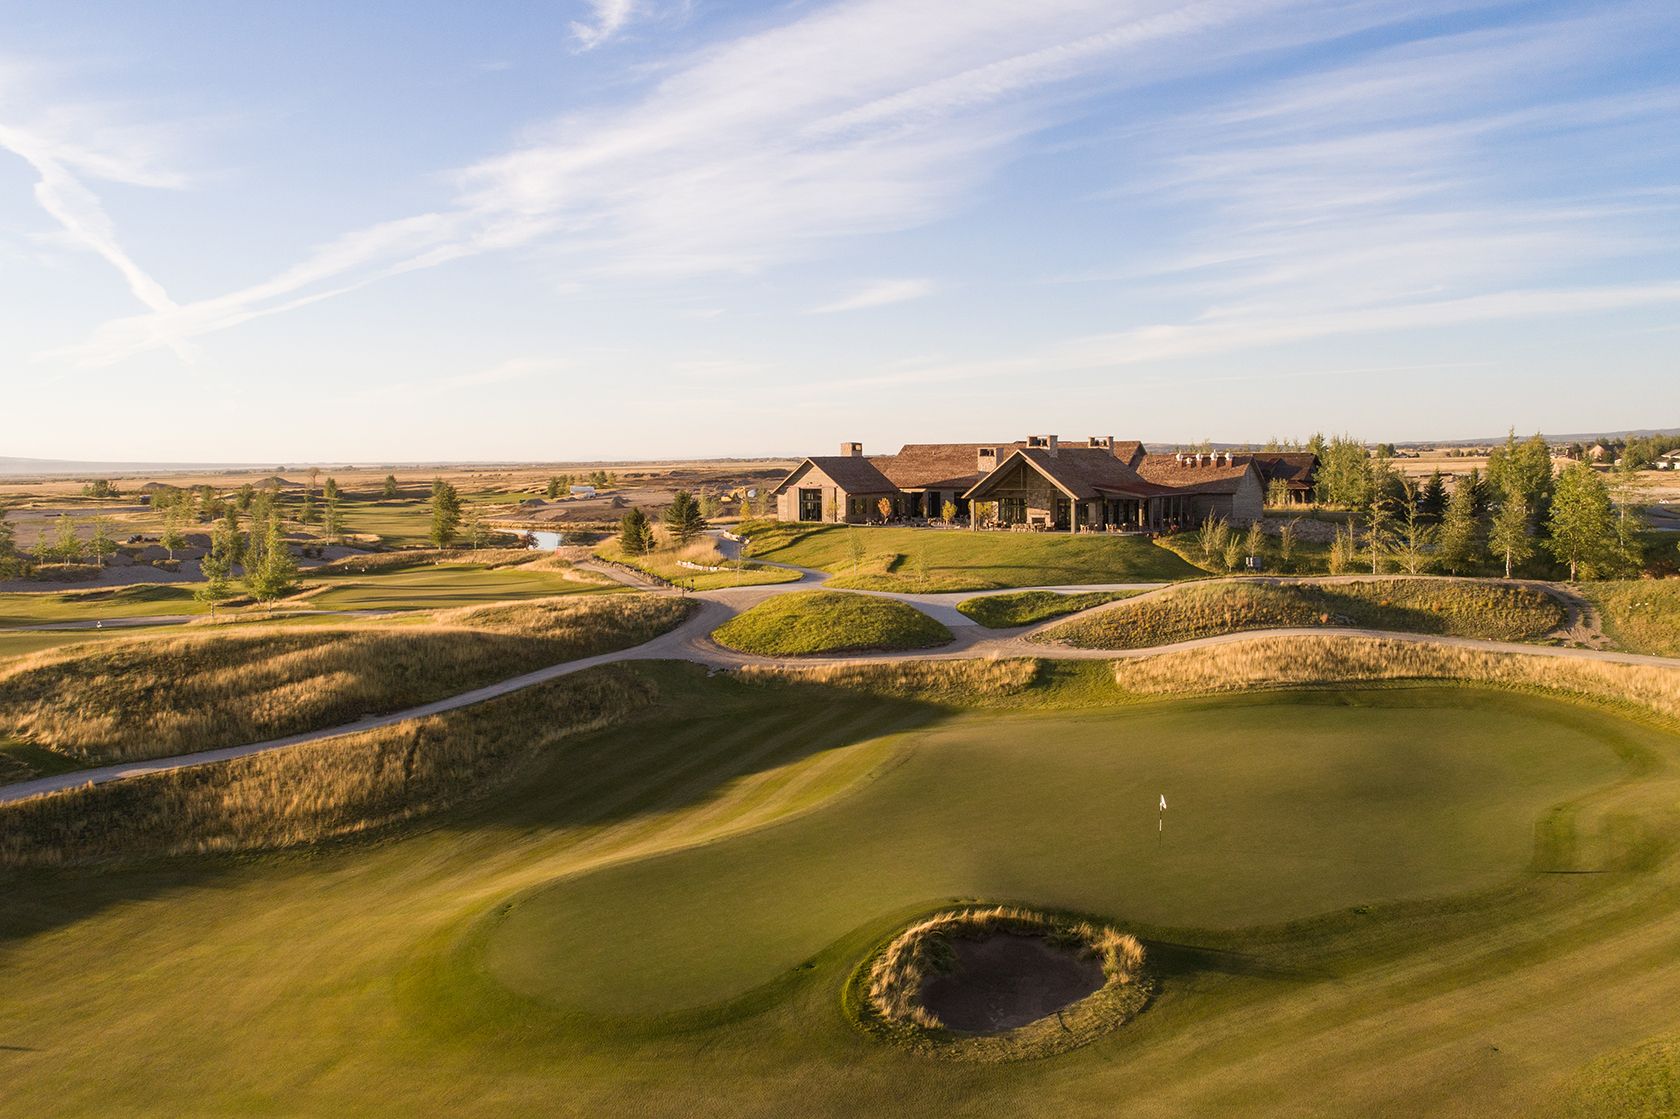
<point>168,695</point>
<point>1443,607</point>
<point>1003,611</point>
<point>945,682</point>
<point>1277,662</point>
<point>1640,615</point>
<point>808,622</point>
<point>318,791</point>
<point>928,560</point>
<point>667,563</point>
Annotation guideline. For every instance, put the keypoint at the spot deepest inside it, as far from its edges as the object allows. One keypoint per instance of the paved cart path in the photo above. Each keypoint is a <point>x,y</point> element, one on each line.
<point>691,641</point>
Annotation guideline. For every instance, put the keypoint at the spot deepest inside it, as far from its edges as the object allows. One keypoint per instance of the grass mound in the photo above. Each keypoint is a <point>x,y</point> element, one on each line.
<point>900,976</point>
<point>824,622</point>
<point>1434,606</point>
<point>1001,611</point>
<point>920,560</point>
<point>1640,615</point>
<point>318,791</point>
<point>150,698</point>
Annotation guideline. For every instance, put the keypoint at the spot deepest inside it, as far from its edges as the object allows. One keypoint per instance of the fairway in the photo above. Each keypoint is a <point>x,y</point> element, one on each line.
<point>1352,883</point>
<point>440,586</point>
<point>1280,809</point>
<point>890,558</point>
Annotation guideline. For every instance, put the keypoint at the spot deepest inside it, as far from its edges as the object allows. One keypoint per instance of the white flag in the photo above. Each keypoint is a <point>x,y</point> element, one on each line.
<point>1163,802</point>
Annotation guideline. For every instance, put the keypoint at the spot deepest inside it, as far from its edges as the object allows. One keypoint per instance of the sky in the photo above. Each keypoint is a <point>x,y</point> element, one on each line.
<point>409,231</point>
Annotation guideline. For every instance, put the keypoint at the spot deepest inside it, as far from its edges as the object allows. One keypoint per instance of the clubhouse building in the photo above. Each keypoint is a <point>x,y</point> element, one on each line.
<point>1042,483</point>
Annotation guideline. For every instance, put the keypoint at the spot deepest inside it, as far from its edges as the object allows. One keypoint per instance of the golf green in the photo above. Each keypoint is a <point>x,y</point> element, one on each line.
<point>1279,808</point>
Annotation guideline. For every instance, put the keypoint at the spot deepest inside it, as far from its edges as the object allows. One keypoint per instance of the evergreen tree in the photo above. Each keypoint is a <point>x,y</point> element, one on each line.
<point>1460,542</point>
<point>635,533</point>
<point>446,513</point>
<point>10,562</point>
<point>1433,500</point>
<point>1582,525</point>
<point>554,487</point>
<point>247,494</point>
<point>1510,536</point>
<point>389,491</point>
<point>682,518</point>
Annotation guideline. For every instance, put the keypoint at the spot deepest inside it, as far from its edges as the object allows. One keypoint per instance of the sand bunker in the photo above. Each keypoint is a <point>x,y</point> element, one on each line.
<point>1005,980</point>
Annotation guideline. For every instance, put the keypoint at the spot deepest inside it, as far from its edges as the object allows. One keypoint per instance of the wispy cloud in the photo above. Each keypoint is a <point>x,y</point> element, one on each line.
<point>609,17</point>
<point>878,294</point>
<point>863,117</point>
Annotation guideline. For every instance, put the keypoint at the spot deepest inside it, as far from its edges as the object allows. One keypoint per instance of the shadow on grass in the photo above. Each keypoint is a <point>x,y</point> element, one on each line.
<point>534,782</point>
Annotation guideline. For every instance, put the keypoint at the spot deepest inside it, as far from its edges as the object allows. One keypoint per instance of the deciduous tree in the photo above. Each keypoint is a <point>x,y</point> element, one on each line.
<point>1582,525</point>
<point>1510,536</point>
<point>389,490</point>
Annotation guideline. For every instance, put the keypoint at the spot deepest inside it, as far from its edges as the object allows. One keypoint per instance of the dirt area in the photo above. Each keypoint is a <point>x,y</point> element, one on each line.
<point>1005,980</point>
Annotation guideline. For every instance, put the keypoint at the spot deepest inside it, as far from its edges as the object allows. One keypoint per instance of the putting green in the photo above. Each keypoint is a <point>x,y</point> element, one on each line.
<point>442,586</point>
<point>1279,807</point>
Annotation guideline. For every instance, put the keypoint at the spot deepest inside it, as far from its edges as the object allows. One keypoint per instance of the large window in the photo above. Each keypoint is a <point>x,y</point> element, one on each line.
<point>810,505</point>
<point>1012,510</point>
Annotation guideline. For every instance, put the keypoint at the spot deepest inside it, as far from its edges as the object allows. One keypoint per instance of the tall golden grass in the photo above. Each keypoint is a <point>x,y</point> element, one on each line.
<point>414,557</point>
<point>898,974</point>
<point>1335,659</point>
<point>318,791</point>
<point>121,701</point>
<point>936,681</point>
<point>1445,607</point>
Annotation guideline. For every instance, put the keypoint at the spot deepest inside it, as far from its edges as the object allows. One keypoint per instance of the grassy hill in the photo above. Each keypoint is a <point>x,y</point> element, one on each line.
<point>885,558</point>
<point>806,622</point>
<point>122,700</point>
<point>1437,606</point>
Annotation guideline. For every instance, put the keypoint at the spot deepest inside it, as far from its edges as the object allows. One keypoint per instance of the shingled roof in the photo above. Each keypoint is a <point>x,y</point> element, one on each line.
<point>1086,473</point>
<point>852,473</point>
<point>1293,467</point>
<point>920,466</point>
<point>1187,476</point>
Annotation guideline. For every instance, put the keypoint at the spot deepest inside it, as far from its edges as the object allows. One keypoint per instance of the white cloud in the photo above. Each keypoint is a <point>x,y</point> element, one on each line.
<point>865,116</point>
<point>610,17</point>
<point>878,294</point>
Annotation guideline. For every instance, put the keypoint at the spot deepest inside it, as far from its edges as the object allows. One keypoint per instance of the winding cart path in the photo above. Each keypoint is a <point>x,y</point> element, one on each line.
<point>691,641</point>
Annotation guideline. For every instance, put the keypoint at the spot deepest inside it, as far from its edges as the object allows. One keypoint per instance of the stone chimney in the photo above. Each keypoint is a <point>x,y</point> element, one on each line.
<point>1198,458</point>
<point>1104,442</point>
<point>851,450</point>
<point>986,460</point>
<point>1047,442</point>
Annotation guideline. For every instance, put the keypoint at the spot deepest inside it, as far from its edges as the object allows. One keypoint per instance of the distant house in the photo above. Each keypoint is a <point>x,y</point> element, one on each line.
<point>1297,470</point>
<point>1039,482</point>
<point>1669,461</point>
<point>1598,452</point>
<point>582,491</point>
